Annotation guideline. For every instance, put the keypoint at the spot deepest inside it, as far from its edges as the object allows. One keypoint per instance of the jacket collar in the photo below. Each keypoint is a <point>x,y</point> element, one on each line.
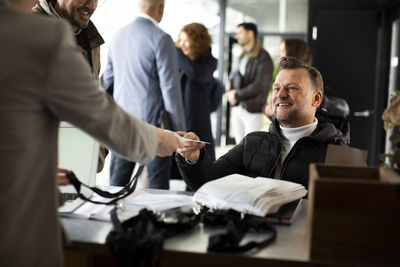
<point>327,129</point>
<point>46,7</point>
<point>146,16</point>
<point>255,52</point>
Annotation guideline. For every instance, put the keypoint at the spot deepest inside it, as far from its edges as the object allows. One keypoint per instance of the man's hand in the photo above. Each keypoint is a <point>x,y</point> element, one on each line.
<point>231,97</point>
<point>62,178</point>
<point>190,150</point>
<point>168,143</point>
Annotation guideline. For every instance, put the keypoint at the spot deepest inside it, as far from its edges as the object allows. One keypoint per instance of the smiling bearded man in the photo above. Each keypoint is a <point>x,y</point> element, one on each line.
<point>78,13</point>
<point>298,135</point>
<point>294,104</point>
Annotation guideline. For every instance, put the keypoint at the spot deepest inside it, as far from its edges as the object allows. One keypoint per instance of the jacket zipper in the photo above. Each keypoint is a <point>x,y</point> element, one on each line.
<point>276,161</point>
<point>290,155</point>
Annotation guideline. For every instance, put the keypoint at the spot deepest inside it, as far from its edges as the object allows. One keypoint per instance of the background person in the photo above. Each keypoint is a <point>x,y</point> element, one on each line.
<point>143,65</point>
<point>197,66</point>
<point>45,80</point>
<point>78,14</point>
<point>295,139</point>
<point>249,83</point>
<point>296,48</point>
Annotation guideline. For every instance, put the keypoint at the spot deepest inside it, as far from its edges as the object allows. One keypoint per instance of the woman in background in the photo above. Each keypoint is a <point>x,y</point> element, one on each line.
<point>296,48</point>
<point>199,87</point>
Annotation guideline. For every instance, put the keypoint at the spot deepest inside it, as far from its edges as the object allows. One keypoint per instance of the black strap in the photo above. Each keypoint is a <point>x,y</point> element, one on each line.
<point>237,226</point>
<point>124,192</point>
<point>114,219</point>
<point>41,9</point>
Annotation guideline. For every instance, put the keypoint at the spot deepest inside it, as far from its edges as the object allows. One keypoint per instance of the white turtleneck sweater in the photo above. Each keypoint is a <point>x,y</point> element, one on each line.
<point>290,137</point>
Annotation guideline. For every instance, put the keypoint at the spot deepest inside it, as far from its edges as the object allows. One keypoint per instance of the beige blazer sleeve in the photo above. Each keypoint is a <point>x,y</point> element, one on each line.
<point>72,95</point>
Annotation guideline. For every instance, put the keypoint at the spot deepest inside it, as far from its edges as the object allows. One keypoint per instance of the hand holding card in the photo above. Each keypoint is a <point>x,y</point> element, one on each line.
<point>192,146</point>
<point>183,139</point>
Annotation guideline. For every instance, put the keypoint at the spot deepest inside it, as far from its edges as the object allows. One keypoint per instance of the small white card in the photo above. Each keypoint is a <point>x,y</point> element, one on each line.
<point>183,139</point>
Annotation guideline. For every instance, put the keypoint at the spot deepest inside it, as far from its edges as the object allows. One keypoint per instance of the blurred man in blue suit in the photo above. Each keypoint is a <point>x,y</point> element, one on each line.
<point>142,64</point>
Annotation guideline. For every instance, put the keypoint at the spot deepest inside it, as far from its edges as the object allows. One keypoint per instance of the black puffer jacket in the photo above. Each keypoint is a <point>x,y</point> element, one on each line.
<point>258,154</point>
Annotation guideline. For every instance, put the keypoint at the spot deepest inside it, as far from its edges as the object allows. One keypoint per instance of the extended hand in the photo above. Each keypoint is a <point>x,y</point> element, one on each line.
<point>231,97</point>
<point>190,150</point>
<point>62,178</point>
<point>168,143</point>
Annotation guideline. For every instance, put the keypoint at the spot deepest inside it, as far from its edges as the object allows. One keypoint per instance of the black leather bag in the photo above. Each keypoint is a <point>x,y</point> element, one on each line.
<point>237,225</point>
<point>139,240</point>
<point>164,120</point>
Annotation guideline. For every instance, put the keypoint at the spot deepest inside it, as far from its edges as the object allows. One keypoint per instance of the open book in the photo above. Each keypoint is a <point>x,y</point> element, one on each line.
<point>257,196</point>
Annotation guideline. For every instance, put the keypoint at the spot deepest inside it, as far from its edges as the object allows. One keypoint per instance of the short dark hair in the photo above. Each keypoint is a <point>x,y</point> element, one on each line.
<point>248,26</point>
<point>294,63</point>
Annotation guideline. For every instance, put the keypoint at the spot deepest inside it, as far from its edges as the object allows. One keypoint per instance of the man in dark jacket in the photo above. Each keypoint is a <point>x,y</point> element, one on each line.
<point>296,137</point>
<point>249,83</point>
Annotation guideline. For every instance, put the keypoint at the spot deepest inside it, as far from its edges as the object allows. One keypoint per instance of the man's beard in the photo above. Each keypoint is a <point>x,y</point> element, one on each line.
<point>74,20</point>
<point>291,116</point>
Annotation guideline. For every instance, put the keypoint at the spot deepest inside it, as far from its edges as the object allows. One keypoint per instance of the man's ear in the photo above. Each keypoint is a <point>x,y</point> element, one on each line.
<point>317,98</point>
<point>161,9</point>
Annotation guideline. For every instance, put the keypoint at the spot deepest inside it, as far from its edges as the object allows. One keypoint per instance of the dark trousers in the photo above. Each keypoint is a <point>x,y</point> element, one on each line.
<point>157,170</point>
<point>120,170</point>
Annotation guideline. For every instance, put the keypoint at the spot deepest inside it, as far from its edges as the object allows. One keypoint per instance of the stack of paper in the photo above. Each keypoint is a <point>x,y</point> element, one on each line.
<point>155,200</point>
<point>258,196</point>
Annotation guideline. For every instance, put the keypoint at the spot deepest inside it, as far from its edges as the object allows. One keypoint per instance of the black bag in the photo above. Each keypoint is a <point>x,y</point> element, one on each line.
<point>164,120</point>
<point>237,225</point>
<point>139,240</point>
<point>135,241</point>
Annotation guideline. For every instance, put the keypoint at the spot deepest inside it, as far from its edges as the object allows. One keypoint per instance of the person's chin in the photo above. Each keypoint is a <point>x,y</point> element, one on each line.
<point>281,114</point>
<point>83,23</point>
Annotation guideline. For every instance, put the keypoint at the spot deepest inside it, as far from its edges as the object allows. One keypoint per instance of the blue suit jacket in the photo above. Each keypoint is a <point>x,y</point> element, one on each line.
<point>142,63</point>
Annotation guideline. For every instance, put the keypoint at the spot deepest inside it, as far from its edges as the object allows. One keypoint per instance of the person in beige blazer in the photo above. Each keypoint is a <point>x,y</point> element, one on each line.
<point>44,79</point>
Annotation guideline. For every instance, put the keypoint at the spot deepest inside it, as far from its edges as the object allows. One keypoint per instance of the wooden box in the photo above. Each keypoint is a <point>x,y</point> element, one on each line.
<point>354,215</point>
